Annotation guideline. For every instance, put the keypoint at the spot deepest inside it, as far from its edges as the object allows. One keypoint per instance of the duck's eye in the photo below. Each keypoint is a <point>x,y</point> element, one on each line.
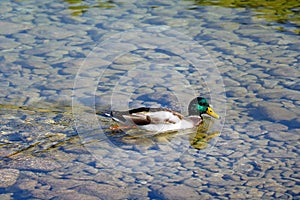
<point>203,104</point>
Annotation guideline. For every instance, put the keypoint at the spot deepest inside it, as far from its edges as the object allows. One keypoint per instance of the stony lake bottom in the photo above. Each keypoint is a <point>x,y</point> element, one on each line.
<point>64,64</point>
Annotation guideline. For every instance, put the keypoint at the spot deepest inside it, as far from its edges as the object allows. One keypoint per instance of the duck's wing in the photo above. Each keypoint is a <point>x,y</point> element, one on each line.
<point>164,116</point>
<point>135,116</point>
<point>144,116</point>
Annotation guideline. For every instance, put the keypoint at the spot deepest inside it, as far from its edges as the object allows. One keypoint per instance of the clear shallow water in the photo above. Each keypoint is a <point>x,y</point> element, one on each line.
<point>42,48</point>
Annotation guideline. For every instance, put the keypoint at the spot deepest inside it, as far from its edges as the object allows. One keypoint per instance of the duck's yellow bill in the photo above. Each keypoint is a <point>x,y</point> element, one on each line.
<point>212,113</point>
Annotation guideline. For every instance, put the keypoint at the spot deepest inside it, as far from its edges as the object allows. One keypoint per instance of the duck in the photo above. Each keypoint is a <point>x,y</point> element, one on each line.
<point>163,119</point>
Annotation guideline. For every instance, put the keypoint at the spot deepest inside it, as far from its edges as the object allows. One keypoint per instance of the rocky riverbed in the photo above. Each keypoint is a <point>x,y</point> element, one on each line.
<point>52,149</point>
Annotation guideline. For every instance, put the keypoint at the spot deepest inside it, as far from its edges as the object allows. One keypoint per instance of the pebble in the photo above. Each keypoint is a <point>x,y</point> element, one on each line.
<point>27,184</point>
<point>11,28</point>
<point>274,127</point>
<point>103,191</point>
<point>230,83</point>
<point>283,136</point>
<point>34,163</point>
<point>8,44</point>
<point>238,195</point>
<point>51,32</point>
<point>73,194</point>
<point>177,192</point>
<point>274,111</point>
<point>193,182</point>
<point>8,177</point>
<point>270,84</point>
<point>5,8</point>
<point>280,94</point>
<point>286,71</point>
<point>236,92</point>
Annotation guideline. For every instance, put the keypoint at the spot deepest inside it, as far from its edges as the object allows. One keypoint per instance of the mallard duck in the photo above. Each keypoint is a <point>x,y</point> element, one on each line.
<point>163,119</point>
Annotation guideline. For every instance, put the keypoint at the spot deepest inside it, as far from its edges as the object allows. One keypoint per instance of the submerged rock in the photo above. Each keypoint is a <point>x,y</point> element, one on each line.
<point>283,136</point>
<point>35,163</point>
<point>103,191</point>
<point>273,112</point>
<point>178,192</point>
<point>10,28</point>
<point>8,177</point>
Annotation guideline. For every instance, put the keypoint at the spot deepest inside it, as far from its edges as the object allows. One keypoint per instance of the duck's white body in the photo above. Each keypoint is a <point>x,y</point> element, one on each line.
<point>164,127</point>
<point>160,121</point>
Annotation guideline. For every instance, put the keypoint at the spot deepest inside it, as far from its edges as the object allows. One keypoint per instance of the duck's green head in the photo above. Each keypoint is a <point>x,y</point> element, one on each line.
<point>199,106</point>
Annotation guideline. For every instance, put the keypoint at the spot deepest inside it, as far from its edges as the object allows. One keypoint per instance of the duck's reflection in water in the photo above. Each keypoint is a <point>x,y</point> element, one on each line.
<point>198,138</point>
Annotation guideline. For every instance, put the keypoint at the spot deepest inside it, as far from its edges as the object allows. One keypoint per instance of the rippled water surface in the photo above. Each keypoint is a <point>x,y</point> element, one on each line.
<point>65,63</point>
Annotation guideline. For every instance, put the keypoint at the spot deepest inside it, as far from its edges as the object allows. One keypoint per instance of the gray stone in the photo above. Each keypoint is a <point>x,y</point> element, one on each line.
<point>193,182</point>
<point>284,136</point>
<point>274,111</point>
<point>35,163</point>
<point>8,177</point>
<point>236,155</point>
<point>270,83</point>
<point>7,196</point>
<point>27,184</point>
<point>72,194</point>
<point>7,43</point>
<point>10,28</point>
<point>254,87</point>
<point>236,92</point>
<point>286,71</point>
<point>6,8</point>
<point>139,193</point>
<point>237,195</point>
<point>274,127</point>
<point>295,85</point>
<point>103,191</point>
<point>279,94</point>
<point>178,192</point>
<point>52,32</point>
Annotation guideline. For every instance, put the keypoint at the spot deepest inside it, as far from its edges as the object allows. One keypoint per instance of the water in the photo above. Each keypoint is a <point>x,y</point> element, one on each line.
<point>245,61</point>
